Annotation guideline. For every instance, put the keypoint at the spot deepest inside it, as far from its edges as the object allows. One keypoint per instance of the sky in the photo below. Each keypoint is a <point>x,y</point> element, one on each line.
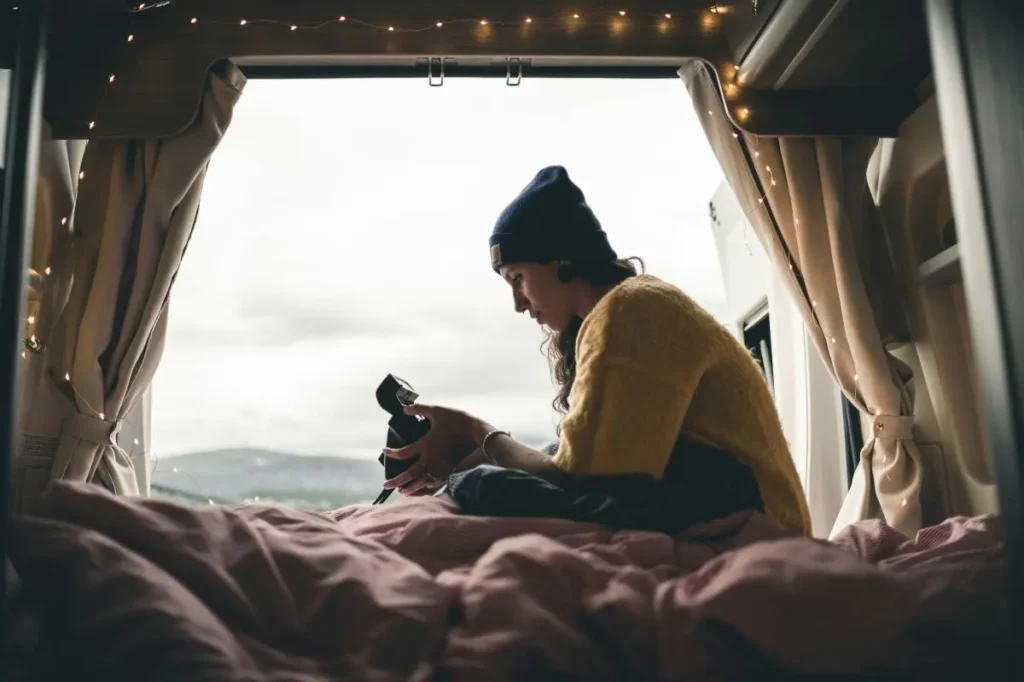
<point>343,236</point>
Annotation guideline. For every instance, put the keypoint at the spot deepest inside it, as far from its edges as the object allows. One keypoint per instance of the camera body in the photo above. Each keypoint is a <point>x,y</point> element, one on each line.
<point>394,395</point>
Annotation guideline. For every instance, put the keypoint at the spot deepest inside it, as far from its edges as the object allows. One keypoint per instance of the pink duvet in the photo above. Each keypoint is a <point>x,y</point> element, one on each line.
<point>146,590</point>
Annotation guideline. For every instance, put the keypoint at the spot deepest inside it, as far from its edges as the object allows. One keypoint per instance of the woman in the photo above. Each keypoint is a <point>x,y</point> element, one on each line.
<point>668,420</point>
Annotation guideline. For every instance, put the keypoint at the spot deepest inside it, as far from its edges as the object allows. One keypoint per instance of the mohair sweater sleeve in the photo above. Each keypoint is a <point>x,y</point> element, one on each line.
<point>654,368</point>
<point>635,379</point>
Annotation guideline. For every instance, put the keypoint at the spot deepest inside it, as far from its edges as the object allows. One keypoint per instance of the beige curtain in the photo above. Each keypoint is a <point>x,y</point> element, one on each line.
<point>807,199</point>
<point>47,286</point>
<point>101,323</point>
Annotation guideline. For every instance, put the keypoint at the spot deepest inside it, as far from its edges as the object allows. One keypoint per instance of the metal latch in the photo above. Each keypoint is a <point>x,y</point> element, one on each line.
<point>510,64</point>
<point>435,69</point>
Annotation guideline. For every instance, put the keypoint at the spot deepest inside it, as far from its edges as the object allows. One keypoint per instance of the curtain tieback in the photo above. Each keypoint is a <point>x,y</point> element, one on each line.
<point>93,430</point>
<point>893,427</point>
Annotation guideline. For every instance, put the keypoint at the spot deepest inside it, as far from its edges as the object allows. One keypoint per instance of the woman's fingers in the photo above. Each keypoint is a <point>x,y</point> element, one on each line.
<point>423,485</point>
<point>418,410</point>
<point>426,490</point>
<point>407,476</point>
<point>411,450</point>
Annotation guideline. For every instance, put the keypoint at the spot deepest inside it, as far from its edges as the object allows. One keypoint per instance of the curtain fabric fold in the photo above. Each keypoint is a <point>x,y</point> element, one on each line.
<point>808,201</point>
<point>103,315</point>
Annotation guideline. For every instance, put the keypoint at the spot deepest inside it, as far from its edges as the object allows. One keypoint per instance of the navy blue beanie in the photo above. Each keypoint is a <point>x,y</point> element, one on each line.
<point>549,221</point>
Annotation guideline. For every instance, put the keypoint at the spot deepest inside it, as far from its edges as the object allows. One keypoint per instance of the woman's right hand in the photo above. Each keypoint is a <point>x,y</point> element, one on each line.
<point>452,438</point>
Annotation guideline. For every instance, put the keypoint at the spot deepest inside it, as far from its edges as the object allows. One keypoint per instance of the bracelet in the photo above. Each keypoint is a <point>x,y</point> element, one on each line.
<point>483,443</point>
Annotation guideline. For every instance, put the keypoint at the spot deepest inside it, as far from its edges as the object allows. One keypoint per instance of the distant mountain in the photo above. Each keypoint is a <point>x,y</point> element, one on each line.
<point>243,474</point>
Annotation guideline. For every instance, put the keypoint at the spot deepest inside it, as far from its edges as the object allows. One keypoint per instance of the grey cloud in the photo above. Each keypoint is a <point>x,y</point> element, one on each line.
<point>266,319</point>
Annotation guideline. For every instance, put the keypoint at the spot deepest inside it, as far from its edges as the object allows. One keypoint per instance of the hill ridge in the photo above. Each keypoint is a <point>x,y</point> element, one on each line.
<point>237,474</point>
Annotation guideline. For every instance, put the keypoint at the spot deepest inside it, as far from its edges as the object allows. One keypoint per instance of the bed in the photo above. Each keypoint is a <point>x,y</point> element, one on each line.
<point>116,588</point>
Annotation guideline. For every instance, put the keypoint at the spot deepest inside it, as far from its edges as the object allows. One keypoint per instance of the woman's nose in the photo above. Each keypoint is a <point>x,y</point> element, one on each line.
<point>521,304</point>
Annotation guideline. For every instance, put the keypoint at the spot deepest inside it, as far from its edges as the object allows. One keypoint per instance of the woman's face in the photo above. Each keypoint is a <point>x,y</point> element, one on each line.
<point>537,290</point>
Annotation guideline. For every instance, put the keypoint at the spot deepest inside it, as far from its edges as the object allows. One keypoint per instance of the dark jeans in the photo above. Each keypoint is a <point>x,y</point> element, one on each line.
<point>701,483</point>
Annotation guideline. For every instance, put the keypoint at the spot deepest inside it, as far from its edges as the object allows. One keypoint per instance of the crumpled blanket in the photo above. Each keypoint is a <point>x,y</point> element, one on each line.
<point>129,589</point>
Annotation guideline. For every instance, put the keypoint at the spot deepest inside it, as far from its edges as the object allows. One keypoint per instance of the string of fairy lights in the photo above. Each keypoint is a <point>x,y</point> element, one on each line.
<point>616,20</point>
<point>731,89</point>
<point>763,202</point>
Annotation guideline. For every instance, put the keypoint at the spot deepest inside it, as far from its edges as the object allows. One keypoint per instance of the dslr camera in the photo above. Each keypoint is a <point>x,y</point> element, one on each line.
<point>393,396</point>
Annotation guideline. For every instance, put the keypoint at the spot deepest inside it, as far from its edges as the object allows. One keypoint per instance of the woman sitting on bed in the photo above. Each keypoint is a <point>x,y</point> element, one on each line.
<point>668,420</point>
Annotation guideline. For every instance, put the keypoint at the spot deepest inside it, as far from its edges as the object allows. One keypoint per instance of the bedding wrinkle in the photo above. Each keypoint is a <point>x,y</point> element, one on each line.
<point>135,589</point>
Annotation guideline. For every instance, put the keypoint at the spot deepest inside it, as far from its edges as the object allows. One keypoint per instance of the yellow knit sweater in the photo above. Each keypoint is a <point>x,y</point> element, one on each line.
<point>652,367</point>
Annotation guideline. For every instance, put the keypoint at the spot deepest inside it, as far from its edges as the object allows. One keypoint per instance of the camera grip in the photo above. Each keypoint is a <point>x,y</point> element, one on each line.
<point>403,430</point>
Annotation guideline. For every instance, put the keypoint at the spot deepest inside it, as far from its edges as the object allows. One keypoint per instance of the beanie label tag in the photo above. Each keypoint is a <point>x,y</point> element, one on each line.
<point>495,255</point>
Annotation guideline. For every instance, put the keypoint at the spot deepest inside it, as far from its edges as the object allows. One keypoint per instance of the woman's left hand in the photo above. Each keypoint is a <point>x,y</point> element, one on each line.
<point>452,437</point>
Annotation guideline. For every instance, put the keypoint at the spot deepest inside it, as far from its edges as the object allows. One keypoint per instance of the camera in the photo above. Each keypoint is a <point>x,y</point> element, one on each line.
<point>393,396</point>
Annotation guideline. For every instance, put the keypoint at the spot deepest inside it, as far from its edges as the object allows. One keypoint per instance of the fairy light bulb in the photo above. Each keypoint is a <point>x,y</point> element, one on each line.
<point>67,377</point>
<point>174,469</point>
<point>195,20</point>
<point>47,270</point>
<point>81,176</point>
<point>668,15</point>
<point>31,319</point>
<point>529,20</point>
<point>136,441</point>
<point>483,22</point>
<point>391,28</point>
<point>64,220</point>
<point>243,22</point>
<point>294,27</point>
<point>575,16</point>
<point>342,18</point>
<point>92,124</point>
<point>622,12</point>
<point>102,416</point>
<point>23,355</point>
<point>110,78</point>
<point>439,24</point>
<point>131,37</point>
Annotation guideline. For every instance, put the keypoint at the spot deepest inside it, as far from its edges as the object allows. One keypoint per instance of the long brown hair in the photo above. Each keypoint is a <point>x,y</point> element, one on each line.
<point>560,347</point>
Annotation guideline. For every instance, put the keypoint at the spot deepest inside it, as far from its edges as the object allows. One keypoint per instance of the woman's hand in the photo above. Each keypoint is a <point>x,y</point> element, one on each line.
<point>452,437</point>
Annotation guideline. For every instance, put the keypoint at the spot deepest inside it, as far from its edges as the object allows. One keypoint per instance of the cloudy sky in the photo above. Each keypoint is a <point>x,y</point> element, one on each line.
<point>343,235</point>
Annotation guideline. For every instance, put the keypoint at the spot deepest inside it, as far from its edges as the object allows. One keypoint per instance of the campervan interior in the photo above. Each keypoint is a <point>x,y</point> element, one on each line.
<point>219,216</point>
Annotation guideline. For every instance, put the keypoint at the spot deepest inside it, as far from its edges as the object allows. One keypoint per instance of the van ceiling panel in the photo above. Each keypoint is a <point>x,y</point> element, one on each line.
<point>844,81</point>
<point>844,43</point>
